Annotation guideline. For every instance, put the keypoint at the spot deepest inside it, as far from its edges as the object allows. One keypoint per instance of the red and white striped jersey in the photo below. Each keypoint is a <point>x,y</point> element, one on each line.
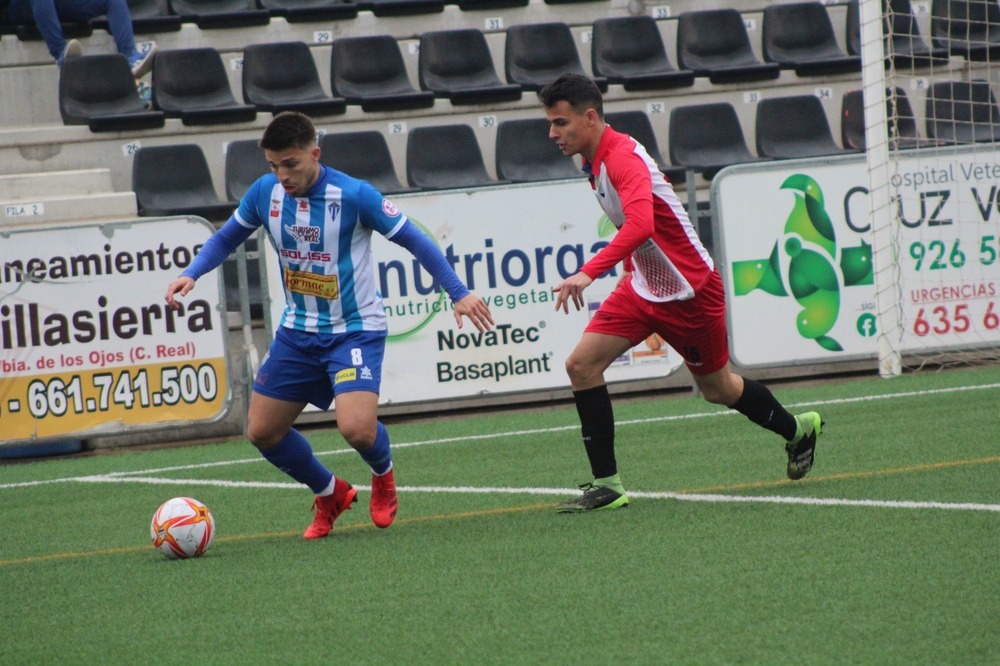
<point>655,238</point>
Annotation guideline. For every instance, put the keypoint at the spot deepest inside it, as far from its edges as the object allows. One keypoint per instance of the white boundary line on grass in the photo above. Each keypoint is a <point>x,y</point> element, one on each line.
<point>142,476</point>
<point>684,497</point>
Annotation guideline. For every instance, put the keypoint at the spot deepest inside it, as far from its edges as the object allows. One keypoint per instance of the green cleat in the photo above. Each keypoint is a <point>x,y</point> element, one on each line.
<point>594,498</point>
<point>802,452</point>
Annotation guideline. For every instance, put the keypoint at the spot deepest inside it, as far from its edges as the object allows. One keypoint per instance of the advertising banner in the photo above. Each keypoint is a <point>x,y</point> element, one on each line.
<point>510,245</point>
<point>795,244</point>
<point>88,344</point>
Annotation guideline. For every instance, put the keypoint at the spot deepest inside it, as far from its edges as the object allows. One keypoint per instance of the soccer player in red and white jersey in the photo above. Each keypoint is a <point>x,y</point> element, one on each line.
<point>670,287</point>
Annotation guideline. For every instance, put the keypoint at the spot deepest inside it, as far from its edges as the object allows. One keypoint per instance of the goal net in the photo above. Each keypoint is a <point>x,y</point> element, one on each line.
<point>932,128</point>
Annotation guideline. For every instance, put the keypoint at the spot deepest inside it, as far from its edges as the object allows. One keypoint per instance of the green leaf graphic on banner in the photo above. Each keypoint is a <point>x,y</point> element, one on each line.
<point>439,306</point>
<point>813,282</point>
<point>856,265</point>
<point>757,274</point>
<point>605,227</point>
<point>809,218</point>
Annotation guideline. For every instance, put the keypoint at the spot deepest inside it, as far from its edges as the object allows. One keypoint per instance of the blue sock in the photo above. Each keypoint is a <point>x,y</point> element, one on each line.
<point>294,457</point>
<point>379,457</point>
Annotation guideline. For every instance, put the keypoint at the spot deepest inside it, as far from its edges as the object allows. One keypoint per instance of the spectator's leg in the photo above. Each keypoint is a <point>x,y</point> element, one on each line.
<point>44,15</point>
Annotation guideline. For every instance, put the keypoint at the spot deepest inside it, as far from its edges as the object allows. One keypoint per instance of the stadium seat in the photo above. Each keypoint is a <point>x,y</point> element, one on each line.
<point>715,43</point>
<point>903,131</point>
<point>637,125</point>
<point>628,50</point>
<point>175,180</point>
<point>962,112</point>
<point>445,157</point>
<point>904,42</point>
<point>149,17</point>
<point>401,7</point>
<point>794,126</point>
<point>370,71</point>
<point>99,91</point>
<point>310,11</point>
<point>473,5</point>
<point>245,163</point>
<point>220,13</point>
<point>707,137</point>
<point>28,32</point>
<point>457,65</point>
<point>364,155</point>
<point>536,54</point>
<point>191,84</point>
<point>525,153</point>
<point>800,36</point>
<point>282,76</point>
<point>967,28</point>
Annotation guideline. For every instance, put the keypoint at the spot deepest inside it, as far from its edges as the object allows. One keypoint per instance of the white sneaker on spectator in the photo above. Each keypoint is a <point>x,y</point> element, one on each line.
<point>142,63</point>
<point>73,50</point>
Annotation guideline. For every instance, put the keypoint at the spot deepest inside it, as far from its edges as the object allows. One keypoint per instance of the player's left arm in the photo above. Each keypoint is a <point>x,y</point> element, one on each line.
<point>467,304</point>
<point>381,215</point>
<point>631,180</point>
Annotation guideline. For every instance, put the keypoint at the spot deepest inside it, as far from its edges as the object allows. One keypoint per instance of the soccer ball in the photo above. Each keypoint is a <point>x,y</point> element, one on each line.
<point>182,527</point>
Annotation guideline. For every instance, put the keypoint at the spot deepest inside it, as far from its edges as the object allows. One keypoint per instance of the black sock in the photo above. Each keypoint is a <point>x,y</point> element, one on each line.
<point>597,425</point>
<point>760,406</point>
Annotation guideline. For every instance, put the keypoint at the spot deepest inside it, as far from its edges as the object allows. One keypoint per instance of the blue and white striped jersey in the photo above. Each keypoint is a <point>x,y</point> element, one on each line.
<point>323,241</point>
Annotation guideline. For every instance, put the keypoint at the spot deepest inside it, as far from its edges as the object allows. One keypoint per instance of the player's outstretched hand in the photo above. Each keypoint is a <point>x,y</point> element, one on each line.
<point>573,288</point>
<point>476,310</point>
<point>179,287</point>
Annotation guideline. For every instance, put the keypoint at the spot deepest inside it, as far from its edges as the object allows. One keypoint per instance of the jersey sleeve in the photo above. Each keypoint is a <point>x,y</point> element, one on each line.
<point>377,212</point>
<point>249,211</point>
<point>630,178</point>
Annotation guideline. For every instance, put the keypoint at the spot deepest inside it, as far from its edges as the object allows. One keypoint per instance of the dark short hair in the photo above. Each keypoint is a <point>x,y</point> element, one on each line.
<point>289,129</point>
<point>579,91</point>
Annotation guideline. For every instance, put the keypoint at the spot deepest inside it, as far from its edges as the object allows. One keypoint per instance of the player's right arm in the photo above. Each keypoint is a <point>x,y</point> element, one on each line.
<point>222,243</point>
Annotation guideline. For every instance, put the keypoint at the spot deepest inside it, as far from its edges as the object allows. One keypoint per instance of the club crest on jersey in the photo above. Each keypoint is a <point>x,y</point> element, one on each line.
<point>389,208</point>
<point>333,208</point>
<point>303,234</point>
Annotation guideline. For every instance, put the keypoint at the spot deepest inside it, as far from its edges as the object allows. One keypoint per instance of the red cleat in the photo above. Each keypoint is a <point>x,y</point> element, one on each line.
<point>328,508</point>
<point>384,502</point>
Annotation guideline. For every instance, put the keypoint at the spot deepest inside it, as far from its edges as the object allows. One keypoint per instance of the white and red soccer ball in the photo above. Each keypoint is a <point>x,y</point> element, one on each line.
<point>182,527</point>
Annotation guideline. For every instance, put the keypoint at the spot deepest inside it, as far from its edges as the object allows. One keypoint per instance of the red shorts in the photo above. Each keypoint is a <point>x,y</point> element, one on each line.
<point>696,328</point>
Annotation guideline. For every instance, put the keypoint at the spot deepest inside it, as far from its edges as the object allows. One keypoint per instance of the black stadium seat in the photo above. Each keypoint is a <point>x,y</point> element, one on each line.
<point>903,39</point>
<point>794,126</point>
<point>191,84</point>
<point>637,125</point>
<point>714,43</point>
<point>245,163</point>
<point>967,28</point>
<point>800,36</point>
<point>282,76</point>
<point>629,50</point>
<point>220,13</point>
<point>309,11</point>
<point>902,128</point>
<point>175,180</point>
<point>536,54</point>
<point>149,17</point>
<point>99,91</point>
<point>370,71</point>
<point>524,152</point>
<point>457,65</point>
<point>445,157</point>
<point>707,138</point>
<point>363,155</point>
<point>962,112</point>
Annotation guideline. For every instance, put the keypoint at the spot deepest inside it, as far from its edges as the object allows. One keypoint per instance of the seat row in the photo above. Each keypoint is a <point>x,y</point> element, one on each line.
<point>160,16</point>
<point>453,64</point>
<point>701,137</point>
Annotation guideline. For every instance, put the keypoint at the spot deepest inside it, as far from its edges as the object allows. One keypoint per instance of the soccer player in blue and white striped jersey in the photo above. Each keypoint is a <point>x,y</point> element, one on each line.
<point>331,338</point>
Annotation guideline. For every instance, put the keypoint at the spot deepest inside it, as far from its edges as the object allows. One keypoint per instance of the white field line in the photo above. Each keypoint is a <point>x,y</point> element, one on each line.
<point>683,497</point>
<point>510,433</point>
